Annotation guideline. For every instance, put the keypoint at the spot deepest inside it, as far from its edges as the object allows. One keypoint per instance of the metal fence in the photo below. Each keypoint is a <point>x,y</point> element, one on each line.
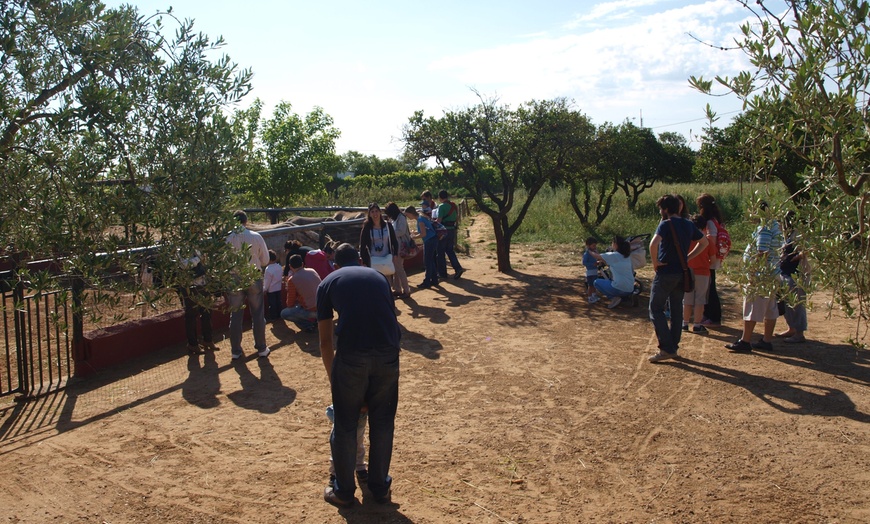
<point>36,329</point>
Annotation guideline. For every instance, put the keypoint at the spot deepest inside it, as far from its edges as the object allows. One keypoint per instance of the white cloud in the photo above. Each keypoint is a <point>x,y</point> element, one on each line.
<point>619,10</point>
<point>611,72</point>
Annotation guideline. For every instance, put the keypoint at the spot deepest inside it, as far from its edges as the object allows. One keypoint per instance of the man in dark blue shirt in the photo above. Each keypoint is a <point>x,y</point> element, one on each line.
<point>363,370</point>
<point>665,250</point>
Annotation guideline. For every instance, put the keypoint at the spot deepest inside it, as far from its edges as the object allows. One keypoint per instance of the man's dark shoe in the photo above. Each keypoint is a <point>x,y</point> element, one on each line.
<point>762,345</point>
<point>741,346</point>
<point>386,499</point>
<point>459,273</point>
<point>330,496</point>
<point>210,346</point>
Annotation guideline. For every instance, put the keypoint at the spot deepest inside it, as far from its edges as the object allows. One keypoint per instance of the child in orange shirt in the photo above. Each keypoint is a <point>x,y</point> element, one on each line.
<point>695,301</point>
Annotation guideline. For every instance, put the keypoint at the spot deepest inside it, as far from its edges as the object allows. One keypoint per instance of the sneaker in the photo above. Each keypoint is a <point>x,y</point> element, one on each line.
<point>459,273</point>
<point>362,476</point>
<point>685,327</point>
<point>741,346</point>
<point>193,349</point>
<point>264,353</point>
<point>662,355</point>
<point>614,302</point>
<point>762,345</point>
<point>708,322</point>
<point>698,329</point>
<point>236,356</point>
<point>594,298</point>
<point>330,496</point>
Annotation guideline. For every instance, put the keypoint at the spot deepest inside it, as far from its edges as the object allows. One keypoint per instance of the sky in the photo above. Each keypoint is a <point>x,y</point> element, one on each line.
<point>371,65</point>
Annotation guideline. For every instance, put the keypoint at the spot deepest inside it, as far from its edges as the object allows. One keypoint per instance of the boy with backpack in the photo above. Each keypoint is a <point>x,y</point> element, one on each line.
<point>448,216</point>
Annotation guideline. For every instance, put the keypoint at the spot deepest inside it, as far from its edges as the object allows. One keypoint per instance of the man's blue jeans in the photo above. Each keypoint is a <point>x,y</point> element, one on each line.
<point>667,287</point>
<point>235,301</point>
<point>359,380</point>
<point>304,319</point>
<point>430,249</point>
<point>445,251</point>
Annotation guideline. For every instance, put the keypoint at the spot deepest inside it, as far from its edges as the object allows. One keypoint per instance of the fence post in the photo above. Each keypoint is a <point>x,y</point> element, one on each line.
<point>20,322</point>
<point>78,325</point>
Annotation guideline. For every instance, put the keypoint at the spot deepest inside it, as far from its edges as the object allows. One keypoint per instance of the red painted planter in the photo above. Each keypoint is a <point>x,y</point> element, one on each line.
<point>104,348</point>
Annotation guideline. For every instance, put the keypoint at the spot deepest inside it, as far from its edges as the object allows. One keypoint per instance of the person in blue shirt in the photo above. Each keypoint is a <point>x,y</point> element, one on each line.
<point>592,271</point>
<point>669,244</point>
<point>363,368</point>
<point>426,231</point>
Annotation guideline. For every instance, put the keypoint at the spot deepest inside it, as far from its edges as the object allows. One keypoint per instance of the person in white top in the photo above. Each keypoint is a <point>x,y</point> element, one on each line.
<point>253,293</point>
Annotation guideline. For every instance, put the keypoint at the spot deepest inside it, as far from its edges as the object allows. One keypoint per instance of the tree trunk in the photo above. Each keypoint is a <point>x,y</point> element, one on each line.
<point>502,243</point>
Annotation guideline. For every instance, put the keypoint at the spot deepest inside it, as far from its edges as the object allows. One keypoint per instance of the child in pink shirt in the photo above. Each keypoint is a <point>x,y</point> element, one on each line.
<point>694,302</point>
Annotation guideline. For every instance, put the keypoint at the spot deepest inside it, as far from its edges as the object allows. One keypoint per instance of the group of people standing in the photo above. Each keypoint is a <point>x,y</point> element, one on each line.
<point>684,247</point>
<point>361,350</point>
<point>386,243</point>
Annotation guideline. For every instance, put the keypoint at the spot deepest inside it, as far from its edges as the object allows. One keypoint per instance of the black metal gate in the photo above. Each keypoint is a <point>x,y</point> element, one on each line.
<point>36,331</point>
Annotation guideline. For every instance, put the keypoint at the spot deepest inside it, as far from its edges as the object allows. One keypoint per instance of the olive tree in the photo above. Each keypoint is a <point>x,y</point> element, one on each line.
<point>809,90</point>
<point>501,157</point>
<point>113,136</point>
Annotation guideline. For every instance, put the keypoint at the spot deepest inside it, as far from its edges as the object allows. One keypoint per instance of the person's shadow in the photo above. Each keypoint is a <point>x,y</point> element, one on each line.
<point>420,344</point>
<point>789,397</point>
<point>203,384</point>
<point>265,393</point>
<point>370,511</point>
<point>436,315</point>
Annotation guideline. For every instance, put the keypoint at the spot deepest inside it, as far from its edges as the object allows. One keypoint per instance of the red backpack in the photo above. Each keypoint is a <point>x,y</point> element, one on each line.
<point>723,241</point>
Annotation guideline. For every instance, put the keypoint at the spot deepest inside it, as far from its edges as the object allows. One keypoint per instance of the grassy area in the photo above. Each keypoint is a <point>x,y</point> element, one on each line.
<point>552,220</point>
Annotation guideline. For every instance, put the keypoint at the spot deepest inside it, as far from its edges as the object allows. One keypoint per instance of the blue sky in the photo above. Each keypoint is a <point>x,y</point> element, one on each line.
<point>370,65</point>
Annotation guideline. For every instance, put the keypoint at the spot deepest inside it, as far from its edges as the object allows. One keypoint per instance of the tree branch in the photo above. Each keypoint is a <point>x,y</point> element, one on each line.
<point>25,114</point>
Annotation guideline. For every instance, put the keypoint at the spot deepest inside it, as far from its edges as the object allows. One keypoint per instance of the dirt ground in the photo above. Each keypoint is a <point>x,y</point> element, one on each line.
<point>519,403</point>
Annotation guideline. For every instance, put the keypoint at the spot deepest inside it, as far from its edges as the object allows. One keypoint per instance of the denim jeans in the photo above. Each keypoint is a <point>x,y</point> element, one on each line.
<point>665,287</point>
<point>358,380</point>
<point>360,440</point>
<point>430,248</point>
<point>235,301</point>
<point>445,251</point>
<point>300,316</point>
<point>605,287</point>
